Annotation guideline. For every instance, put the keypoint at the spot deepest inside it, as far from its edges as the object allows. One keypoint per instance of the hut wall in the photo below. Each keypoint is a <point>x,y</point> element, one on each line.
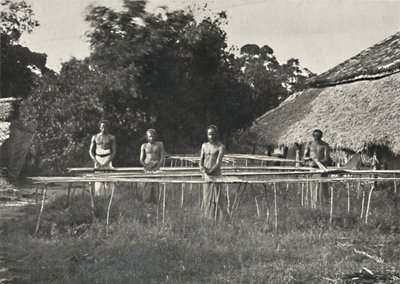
<point>14,149</point>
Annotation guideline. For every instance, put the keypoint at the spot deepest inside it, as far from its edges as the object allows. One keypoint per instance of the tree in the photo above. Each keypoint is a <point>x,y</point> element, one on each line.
<point>19,65</point>
<point>270,81</point>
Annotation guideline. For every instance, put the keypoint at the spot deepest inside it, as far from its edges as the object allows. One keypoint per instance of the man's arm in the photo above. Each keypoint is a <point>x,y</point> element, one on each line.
<point>218,163</point>
<point>92,150</point>
<point>327,156</point>
<point>307,152</point>
<point>162,152</point>
<point>202,159</point>
<point>143,156</point>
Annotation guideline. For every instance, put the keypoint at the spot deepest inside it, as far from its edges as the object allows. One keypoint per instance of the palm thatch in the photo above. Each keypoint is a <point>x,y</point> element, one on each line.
<point>379,60</point>
<point>357,105</point>
<point>351,116</point>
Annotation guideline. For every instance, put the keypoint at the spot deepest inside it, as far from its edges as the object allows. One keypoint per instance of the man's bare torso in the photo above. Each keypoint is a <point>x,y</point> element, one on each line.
<point>318,150</point>
<point>153,152</point>
<point>103,143</point>
<point>211,152</point>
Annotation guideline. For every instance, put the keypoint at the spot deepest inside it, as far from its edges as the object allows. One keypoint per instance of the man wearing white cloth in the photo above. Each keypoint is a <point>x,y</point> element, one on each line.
<point>102,151</point>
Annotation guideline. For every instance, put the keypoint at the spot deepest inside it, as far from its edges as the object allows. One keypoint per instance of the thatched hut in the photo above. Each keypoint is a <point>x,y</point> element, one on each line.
<point>15,140</point>
<point>356,104</point>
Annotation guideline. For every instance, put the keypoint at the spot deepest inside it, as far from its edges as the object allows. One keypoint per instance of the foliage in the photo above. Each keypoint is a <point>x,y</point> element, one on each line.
<point>19,65</point>
<point>166,71</point>
<point>271,81</point>
<point>163,71</point>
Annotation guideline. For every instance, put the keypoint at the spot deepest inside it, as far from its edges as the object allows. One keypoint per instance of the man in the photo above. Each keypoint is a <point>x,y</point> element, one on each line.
<point>102,151</point>
<point>211,157</point>
<point>317,151</point>
<point>152,152</point>
<point>151,158</point>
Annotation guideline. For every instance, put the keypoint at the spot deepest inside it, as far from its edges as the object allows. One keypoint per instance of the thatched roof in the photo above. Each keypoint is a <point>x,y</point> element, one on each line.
<point>353,114</point>
<point>379,60</point>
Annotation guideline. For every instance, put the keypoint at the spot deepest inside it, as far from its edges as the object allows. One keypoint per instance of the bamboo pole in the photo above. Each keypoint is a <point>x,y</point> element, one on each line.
<point>109,208</point>
<point>368,203</point>
<point>44,190</point>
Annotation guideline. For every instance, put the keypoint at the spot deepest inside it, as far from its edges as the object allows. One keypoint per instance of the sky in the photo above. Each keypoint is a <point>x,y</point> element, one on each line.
<point>320,33</point>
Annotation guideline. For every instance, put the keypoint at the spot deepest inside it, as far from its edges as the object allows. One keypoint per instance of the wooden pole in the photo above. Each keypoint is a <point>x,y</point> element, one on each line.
<point>217,191</point>
<point>306,199</point>
<point>331,205</point>
<point>159,200</point>
<point>297,158</point>
<point>36,197</point>
<point>348,197</point>
<point>362,204</point>
<point>228,199</point>
<point>258,208</point>
<point>163,208</point>
<point>182,192</point>
<point>109,208</point>
<point>368,203</point>
<point>275,209</point>
<point>91,193</point>
<point>69,193</point>
<point>302,194</point>
<point>44,190</point>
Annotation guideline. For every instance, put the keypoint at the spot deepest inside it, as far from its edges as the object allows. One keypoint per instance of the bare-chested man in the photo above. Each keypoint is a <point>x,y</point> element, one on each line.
<point>151,158</point>
<point>152,152</point>
<point>211,157</point>
<point>102,151</point>
<point>318,151</point>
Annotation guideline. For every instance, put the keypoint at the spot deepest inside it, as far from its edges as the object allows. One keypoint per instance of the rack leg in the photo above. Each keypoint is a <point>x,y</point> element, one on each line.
<point>44,190</point>
<point>275,210</point>
<point>109,208</point>
<point>368,203</point>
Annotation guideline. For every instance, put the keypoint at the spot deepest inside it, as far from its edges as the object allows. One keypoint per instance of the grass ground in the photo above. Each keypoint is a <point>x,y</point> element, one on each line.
<point>72,246</point>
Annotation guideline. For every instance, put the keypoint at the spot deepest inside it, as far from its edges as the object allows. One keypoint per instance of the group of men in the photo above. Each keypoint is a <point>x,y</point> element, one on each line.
<point>103,150</point>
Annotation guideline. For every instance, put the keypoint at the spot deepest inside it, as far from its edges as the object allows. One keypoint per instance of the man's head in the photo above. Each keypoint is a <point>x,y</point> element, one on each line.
<point>103,125</point>
<point>317,134</point>
<point>151,135</point>
<point>212,133</point>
